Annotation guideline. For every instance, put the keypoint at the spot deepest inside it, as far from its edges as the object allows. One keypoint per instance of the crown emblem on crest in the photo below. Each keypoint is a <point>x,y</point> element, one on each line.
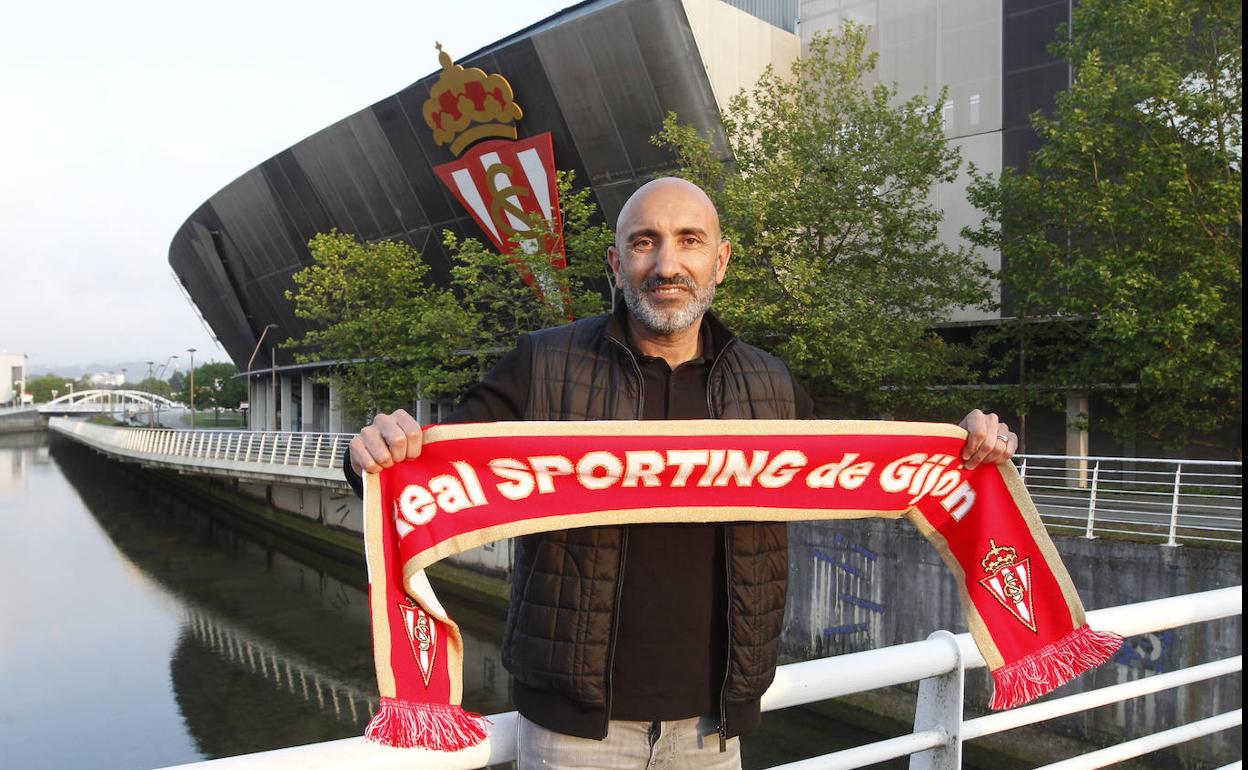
<point>998,558</point>
<point>466,105</point>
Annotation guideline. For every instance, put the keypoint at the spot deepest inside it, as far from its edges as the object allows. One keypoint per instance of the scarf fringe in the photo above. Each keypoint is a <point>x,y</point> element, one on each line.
<point>437,726</point>
<point>1051,666</point>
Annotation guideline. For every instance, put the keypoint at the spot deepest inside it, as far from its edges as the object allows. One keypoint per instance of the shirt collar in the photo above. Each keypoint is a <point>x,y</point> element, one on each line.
<point>714,335</point>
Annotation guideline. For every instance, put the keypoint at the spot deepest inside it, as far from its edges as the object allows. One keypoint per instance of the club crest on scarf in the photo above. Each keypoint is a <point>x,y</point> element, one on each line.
<point>422,634</point>
<point>1009,580</point>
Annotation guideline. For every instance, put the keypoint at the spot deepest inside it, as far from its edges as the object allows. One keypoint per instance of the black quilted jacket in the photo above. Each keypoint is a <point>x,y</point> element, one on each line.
<point>560,631</point>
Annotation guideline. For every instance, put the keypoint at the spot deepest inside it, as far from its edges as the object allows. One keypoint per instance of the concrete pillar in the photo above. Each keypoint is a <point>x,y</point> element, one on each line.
<point>424,411</point>
<point>251,404</point>
<point>309,407</point>
<point>1077,438</point>
<point>335,408</point>
<point>260,404</point>
<point>288,402</point>
<point>270,403</point>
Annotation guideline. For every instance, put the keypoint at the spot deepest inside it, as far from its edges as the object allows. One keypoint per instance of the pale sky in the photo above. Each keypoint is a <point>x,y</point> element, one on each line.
<point>117,120</point>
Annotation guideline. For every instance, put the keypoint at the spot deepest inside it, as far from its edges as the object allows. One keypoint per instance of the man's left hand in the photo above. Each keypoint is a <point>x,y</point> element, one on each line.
<point>989,439</point>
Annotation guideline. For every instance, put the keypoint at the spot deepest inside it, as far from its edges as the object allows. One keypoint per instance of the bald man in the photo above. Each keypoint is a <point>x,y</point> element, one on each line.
<point>643,645</point>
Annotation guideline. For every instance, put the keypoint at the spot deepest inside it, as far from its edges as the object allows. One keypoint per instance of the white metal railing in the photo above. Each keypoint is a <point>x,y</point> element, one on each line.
<point>1184,499</point>
<point>107,402</point>
<point>261,657</point>
<point>227,452</point>
<point>938,664</point>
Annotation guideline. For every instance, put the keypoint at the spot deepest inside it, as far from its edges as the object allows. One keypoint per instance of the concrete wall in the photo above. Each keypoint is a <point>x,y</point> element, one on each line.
<point>12,370</point>
<point>866,584</point>
<point>341,508</point>
<point>925,46</point>
<point>22,422</point>
<point>736,46</point>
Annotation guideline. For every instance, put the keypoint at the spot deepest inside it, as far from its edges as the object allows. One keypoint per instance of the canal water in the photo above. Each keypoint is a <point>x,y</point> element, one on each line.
<point>140,628</point>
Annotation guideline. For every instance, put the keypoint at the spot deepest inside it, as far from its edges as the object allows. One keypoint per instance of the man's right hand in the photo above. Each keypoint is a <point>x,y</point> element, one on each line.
<point>392,438</point>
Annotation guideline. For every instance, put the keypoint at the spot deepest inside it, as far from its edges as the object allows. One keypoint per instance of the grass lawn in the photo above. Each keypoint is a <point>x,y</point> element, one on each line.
<point>211,419</point>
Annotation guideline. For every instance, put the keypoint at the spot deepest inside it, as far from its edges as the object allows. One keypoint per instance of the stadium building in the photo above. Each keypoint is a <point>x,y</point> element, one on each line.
<point>584,90</point>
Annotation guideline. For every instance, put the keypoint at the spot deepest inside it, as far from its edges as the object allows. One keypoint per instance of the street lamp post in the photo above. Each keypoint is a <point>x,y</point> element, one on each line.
<point>192,352</point>
<point>159,374</point>
<point>273,372</point>
<point>161,371</point>
<point>151,387</point>
<point>273,387</point>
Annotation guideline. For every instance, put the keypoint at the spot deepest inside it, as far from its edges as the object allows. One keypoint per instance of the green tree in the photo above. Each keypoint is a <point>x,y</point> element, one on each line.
<point>215,387</point>
<point>391,333</point>
<point>503,304</point>
<point>177,382</point>
<point>396,335</point>
<point>1122,240</point>
<point>41,387</point>
<point>156,386</point>
<point>837,265</point>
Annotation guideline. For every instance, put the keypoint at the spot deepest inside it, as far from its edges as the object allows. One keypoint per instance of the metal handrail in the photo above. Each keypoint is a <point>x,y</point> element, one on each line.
<point>1175,500</point>
<point>940,728</point>
<point>224,452</point>
<point>1146,460</point>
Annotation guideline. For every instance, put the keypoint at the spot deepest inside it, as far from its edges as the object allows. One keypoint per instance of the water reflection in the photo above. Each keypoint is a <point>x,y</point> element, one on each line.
<point>274,643</point>
<point>13,463</point>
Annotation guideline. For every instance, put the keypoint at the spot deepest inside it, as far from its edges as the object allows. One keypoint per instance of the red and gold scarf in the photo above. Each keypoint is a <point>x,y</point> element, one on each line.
<point>474,484</point>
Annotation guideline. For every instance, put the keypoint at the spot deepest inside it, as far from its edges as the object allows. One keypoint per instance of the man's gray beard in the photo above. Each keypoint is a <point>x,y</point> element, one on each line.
<point>669,321</point>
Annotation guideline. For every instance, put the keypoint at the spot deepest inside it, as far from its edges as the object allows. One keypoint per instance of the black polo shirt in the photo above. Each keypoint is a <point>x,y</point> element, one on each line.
<point>672,633</point>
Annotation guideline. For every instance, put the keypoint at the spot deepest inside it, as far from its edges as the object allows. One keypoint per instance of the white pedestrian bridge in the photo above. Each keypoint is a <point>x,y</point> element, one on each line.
<point>108,402</point>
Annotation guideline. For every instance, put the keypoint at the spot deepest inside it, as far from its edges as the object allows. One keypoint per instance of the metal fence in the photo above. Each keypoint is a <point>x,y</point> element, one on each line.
<point>1175,500</point>
<point>298,450</point>
<point>304,450</point>
<point>939,665</point>
<point>302,459</point>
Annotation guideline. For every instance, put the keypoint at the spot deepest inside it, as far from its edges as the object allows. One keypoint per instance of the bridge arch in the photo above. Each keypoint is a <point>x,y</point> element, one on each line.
<point>104,401</point>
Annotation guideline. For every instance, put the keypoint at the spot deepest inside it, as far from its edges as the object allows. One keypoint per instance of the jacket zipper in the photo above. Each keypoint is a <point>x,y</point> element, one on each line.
<point>619,577</point>
<point>615,627</point>
<point>710,406</point>
<point>723,689</point>
<point>641,380</point>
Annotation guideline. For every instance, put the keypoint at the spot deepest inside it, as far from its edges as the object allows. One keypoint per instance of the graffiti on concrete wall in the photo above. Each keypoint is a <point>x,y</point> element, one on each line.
<point>1153,653</point>
<point>842,580</point>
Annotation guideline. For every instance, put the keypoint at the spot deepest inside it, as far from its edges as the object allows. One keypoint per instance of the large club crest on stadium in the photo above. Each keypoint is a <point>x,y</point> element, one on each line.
<point>503,181</point>
<point>1009,580</point>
